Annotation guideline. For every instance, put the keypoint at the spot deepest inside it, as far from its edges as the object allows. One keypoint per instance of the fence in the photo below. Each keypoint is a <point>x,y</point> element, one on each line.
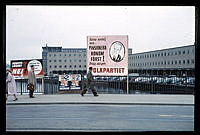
<point>118,85</point>
<point>146,84</point>
<point>48,86</point>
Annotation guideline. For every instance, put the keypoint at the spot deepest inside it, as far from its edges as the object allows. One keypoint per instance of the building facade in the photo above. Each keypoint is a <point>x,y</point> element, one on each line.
<point>178,61</point>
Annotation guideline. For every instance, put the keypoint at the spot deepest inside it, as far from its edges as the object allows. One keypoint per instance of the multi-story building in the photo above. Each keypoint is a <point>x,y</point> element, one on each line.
<point>179,61</point>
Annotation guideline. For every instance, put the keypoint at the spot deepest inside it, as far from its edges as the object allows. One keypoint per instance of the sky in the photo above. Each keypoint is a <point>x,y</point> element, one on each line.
<point>29,28</point>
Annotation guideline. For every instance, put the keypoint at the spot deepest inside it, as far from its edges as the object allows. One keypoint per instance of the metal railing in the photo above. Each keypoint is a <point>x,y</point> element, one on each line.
<point>45,85</point>
<point>146,84</point>
<point>118,85</point>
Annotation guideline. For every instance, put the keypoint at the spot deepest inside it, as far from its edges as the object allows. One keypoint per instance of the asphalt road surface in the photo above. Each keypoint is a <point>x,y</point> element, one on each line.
<point>91,117</point>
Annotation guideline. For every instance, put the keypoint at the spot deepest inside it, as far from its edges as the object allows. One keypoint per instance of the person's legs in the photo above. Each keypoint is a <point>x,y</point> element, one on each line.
<point>94,91</point>
<point>84,89</point>
<point>30,93</point>
<point>15,97</point>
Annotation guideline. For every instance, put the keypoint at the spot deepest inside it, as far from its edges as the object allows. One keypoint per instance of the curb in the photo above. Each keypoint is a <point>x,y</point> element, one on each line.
<point>100,103</point>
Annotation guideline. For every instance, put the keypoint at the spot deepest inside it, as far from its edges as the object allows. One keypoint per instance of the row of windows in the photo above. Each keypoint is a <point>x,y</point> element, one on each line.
<point>66,60</point>
<point>173,62</point>
<point>54,55</point>
<point>163,54</point>
<point>73,50</point>
<point>65,66</point>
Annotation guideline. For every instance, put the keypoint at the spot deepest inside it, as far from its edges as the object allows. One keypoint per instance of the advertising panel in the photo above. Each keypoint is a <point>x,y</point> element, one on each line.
<point>20,68</point>
<point>108,55</point>
<point>70,81</point>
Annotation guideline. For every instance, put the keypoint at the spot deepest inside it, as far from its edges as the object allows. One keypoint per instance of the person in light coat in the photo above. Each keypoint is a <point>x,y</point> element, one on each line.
<point>10,85</point>
<point>32,79</point>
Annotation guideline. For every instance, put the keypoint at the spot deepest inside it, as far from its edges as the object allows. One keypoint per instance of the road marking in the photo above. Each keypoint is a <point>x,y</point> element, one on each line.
<point>166,115</point>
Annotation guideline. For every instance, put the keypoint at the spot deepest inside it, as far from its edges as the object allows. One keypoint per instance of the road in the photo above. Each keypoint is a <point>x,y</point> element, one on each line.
<point>93,117</point>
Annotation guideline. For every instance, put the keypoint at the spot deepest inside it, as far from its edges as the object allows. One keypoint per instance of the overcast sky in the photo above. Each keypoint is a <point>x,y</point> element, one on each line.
<point>149,28</point>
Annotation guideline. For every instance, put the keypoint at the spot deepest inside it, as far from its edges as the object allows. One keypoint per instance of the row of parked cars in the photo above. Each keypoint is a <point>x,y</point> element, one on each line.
<point>152,79</point>
<point>166,80</point>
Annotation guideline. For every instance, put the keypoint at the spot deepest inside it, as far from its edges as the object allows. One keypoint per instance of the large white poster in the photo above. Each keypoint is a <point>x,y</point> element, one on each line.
<point>108,55</point>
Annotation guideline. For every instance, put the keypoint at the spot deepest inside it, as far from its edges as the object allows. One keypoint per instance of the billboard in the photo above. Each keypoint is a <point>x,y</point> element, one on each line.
<point>20,68</point>
<point>70,79</point>
<point>108,55</point>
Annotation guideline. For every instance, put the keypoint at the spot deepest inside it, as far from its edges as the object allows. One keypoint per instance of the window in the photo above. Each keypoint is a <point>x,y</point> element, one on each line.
<point>80,66</point>
<point>50,66</point>
<point>70,66</point>
<point>55,60</point>
<point>172,62</point>
<point>49,60</point>
<point>75,66</point>
<point>175,61</point>
<point>55,66</point>
<point>79,60</point>
<point>60,66</point>
<point>49,55</point>
<point>179,61</point>
<point>179,52</point>
<point>69,55</point>
<point>74,54</point>
<point>183,61</point>
<point>183,51</point>
<point>54,55</point>
<point>70,60</point>
<point>188,61</point>
<point>65,60</point>
<point>60,60</point>
<point>65,66</point>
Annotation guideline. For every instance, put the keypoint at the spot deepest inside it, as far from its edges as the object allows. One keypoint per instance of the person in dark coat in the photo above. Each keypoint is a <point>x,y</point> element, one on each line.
<point>32,79</point>
<point>89,84</point>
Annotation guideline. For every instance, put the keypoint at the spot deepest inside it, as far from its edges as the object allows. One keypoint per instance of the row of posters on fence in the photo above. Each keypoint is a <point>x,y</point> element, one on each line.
<point>70,81</point>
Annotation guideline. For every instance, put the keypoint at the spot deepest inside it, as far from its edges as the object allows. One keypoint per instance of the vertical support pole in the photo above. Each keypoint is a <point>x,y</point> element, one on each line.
<point>127,85</point>
<point>43,85</point>
<point>21,85</point>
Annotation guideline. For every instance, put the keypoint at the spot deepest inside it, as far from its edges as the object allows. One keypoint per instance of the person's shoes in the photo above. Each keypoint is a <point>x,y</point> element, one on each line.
<point>96,95</point>
<point>15,99</point>
<point>82,94</point>
<point>32,97</point>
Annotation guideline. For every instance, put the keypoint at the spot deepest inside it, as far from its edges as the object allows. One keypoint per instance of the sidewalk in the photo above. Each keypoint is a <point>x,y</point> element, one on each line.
<point>126,99</point>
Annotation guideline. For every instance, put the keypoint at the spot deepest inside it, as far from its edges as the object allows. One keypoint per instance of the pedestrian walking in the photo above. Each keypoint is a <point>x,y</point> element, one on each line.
<point>89,84</point>
<point>10,85</point>
<point>32,79</point>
